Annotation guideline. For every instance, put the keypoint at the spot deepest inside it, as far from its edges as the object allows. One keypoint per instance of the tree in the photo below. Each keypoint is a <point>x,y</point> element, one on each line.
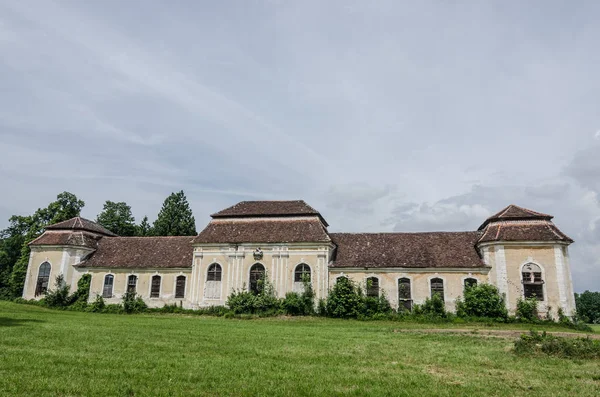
<point>144,229</point>
<point>482,300</point>
<point>117,218</point>
<point>588,306</point>
<point>175,217</point>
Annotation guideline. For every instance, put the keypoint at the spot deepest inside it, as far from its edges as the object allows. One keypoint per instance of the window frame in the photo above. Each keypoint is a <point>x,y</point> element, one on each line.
<point>438,281</point>
<point>469,282</point>
<point>302,272</point>
<point>538,283</point>
<point>373,290</point>
<point>40,289</point>
<point>405,303</point>
<point>211,275</point>
<point>184,286</point>
<point>112,286</point>
<point>253,285</point>
<point>128,285</point>
<point>154,293</point>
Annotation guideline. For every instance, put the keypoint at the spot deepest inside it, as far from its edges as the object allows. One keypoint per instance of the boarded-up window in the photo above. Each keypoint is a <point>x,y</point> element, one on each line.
<point>212,287</point>
<point>373,287</point>
<point>533,283</point>
<point>214,272</point>
<point>257,276</point>
<point>41,286</point>
<point>180,287</point>
<point>155,287</point>
<point>131,283</point>
<point>470,282</point>
<point>107,290</point>
<point>437,287</point>
<point>404,294</point>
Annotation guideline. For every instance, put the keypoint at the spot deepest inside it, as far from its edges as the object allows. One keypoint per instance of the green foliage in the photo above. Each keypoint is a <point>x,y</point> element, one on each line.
<point>536,343</point>
<point>265,302</point>
<point>144,229</point>
<point>344,299</point>
<point>97,306</point>
<point>527,309</point>
<point>432,307</point>
<point>117,218</point>
<point>588,306</point>
<point>302,304</point>
<point>175,217</point>
<point>133,303</point>
<point>79,299</point>
<point>59,296</point>
<point>482,300</point>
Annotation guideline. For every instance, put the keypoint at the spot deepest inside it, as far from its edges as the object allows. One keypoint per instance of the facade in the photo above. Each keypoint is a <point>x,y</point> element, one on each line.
<point>520,251</point>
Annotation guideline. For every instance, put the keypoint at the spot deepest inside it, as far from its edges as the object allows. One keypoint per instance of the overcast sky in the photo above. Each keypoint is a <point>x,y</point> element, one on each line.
<point>386,115</point>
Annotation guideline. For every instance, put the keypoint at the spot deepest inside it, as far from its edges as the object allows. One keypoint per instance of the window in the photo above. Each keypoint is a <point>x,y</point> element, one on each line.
<point>302,273</point>
<point>155,287</point>
<point>214,272</point>
<point>470,282</point>
<point>131,283</point>
<point>107,290</point>
<point>373,287</point>
<point>437,287</point>
<point>404,294</point>
<point>257,275</point>
<point>43,277</point>
<point>533,284</point>
<point>179,287</point>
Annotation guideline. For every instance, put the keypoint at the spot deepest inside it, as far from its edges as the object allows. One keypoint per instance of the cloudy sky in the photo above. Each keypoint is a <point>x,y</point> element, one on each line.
<point>387,115</point>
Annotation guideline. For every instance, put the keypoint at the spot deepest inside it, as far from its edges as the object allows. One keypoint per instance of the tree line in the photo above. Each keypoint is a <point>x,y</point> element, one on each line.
<point>175,218</point>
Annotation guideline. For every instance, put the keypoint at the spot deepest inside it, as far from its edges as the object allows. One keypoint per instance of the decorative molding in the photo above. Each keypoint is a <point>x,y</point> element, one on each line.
<point>501,273</point>
<point>482,270</point>
<point>560,277</point>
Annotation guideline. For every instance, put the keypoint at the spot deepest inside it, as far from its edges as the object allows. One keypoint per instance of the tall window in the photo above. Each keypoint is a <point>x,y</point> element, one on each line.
<point>131,283</point>
<point>302,273</point>
<point>43,278</point>
<point>404,294</point>
<point>373,287</point>
<point>214,272</point>
<point>155,287</point>
<point>470,282</point>
<point>437,287</point>
<point>257,275</point>
<point>107,290</point>
<point>179,287</point>
<point>533,284</point>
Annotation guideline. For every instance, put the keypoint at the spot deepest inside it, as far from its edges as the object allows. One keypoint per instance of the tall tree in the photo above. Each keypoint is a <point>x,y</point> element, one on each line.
<point>117,218</point>
<point>144,229</point>
<point>175,217</point>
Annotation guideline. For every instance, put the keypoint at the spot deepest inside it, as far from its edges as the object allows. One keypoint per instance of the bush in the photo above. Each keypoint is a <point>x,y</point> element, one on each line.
<point>432,307</point>
<point>344,300</point>
<point>241,301</point>
<point>58,297</point>
<point>265,302</point>
<point>588,306</point>
<point>97,306</point>
<point>482,300</point>
<point>527,309</point>
<point>536,343</point>
<point>81,296</point>
<point>300,304</point>
<point>113,308</point>
<point>133,303</point>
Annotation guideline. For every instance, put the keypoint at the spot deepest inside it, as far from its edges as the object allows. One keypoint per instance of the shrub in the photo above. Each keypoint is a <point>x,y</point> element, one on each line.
<point>97,306</point>
<point>322,307</point>
<point>113,308</point>
<point>536,343</point>
<point>376,307</point>
<point>82,294</point>
<point>58,297</point>
<point>264,302</point>
<point>303,304</point>
<point>433,307</point>
<point>588,306</point>
<point>241,301</point>
<point>344,300</point>
<point>527,309</point>
<point>482,300</point>
<point>133,303</point>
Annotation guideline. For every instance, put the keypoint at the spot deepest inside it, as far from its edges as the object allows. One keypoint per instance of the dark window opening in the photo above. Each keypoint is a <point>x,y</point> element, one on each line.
<point>131,283</point>
<point>302,273</point>
<point>533,283</point>
<point>437,287</point>
<point>373,287</point>
<point>404,294</point>
<point>155,288</point>
<point>214,272</point>
<point>41,287</point>
<point>107,290</point>
<point>180,287</point>
<point>470,282</point>
<point>257,277</point>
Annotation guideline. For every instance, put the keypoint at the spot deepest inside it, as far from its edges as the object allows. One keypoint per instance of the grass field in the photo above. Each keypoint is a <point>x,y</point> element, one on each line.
<point>596,327</point>
<point>53,353</point>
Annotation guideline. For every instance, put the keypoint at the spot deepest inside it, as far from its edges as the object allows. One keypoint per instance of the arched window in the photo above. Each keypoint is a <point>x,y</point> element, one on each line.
<point>43,278</point>
<point>131,283</point>
<point>373,287</point>
<point>437,287</point>
<point>214,272</point>
<point>107,290</point>
<point>155,287</point>
<point>533,283</point>
<point>180,287</point>
<point>470,282</point>
<point>302,273</point>
<point>257,275</point>
<point>404,294</point>
<point>341,279</point>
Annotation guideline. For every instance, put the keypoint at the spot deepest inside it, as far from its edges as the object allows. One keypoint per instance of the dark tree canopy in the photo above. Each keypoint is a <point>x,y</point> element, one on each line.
<point>588,306</point>
<point>117,218</point>
<point>175,217</point>
<point>144,228</point>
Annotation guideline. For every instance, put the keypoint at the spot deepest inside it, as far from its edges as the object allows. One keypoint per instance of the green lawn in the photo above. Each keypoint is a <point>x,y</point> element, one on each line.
<point>53,353</point>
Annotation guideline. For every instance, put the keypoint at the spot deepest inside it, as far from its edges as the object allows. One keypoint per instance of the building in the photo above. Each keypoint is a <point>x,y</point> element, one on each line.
<point>520,251</point>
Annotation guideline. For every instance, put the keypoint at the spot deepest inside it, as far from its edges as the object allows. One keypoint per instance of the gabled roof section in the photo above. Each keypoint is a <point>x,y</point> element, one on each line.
<point>514,212</point>
<point>68,237</point>
<point>269,209</point>
<point>79,223</point>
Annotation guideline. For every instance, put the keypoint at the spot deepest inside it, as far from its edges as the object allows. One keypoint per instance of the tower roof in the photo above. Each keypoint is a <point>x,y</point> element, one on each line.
<point>79,223</point>
<point>269,209</point>
<point>515,213</point>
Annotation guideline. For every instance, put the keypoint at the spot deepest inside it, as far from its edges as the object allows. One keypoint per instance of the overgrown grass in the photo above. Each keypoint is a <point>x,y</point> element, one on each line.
<point>46,353</point>
<point>595,327</point>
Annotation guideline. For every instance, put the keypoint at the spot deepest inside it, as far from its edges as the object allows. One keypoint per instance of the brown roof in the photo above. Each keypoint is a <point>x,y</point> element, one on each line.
<point>283,230</point>
<point>141,252</point>
<point>535,230</point>
<point>79,223</point>
<point>74,238</point>
<point>246,209</point>
<point>415,250</point>
<point>514,212</point>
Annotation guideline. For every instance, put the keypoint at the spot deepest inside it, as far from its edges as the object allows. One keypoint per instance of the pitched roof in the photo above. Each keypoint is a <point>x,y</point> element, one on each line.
<point>534,230</point>
<point>247,209</point>
<point>73,238</point>
<point>282,230</point>
<point>413,250</point>
<point>79,223</point>
<point>514,212</point>
<point>141,252</point>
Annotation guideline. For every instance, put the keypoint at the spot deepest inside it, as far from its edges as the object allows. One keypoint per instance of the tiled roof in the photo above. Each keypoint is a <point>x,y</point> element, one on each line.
<point>73,238</point>
<point>412,250</point>
<point>247,209</point>
<point>535,230</point>
<point>141,252</point>
<point>281,230</point>
<point>79,223</point>
<point>514,212</point>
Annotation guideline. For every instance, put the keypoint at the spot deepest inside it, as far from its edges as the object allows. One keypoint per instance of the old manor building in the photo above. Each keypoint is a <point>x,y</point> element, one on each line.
<point>518,250</point>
